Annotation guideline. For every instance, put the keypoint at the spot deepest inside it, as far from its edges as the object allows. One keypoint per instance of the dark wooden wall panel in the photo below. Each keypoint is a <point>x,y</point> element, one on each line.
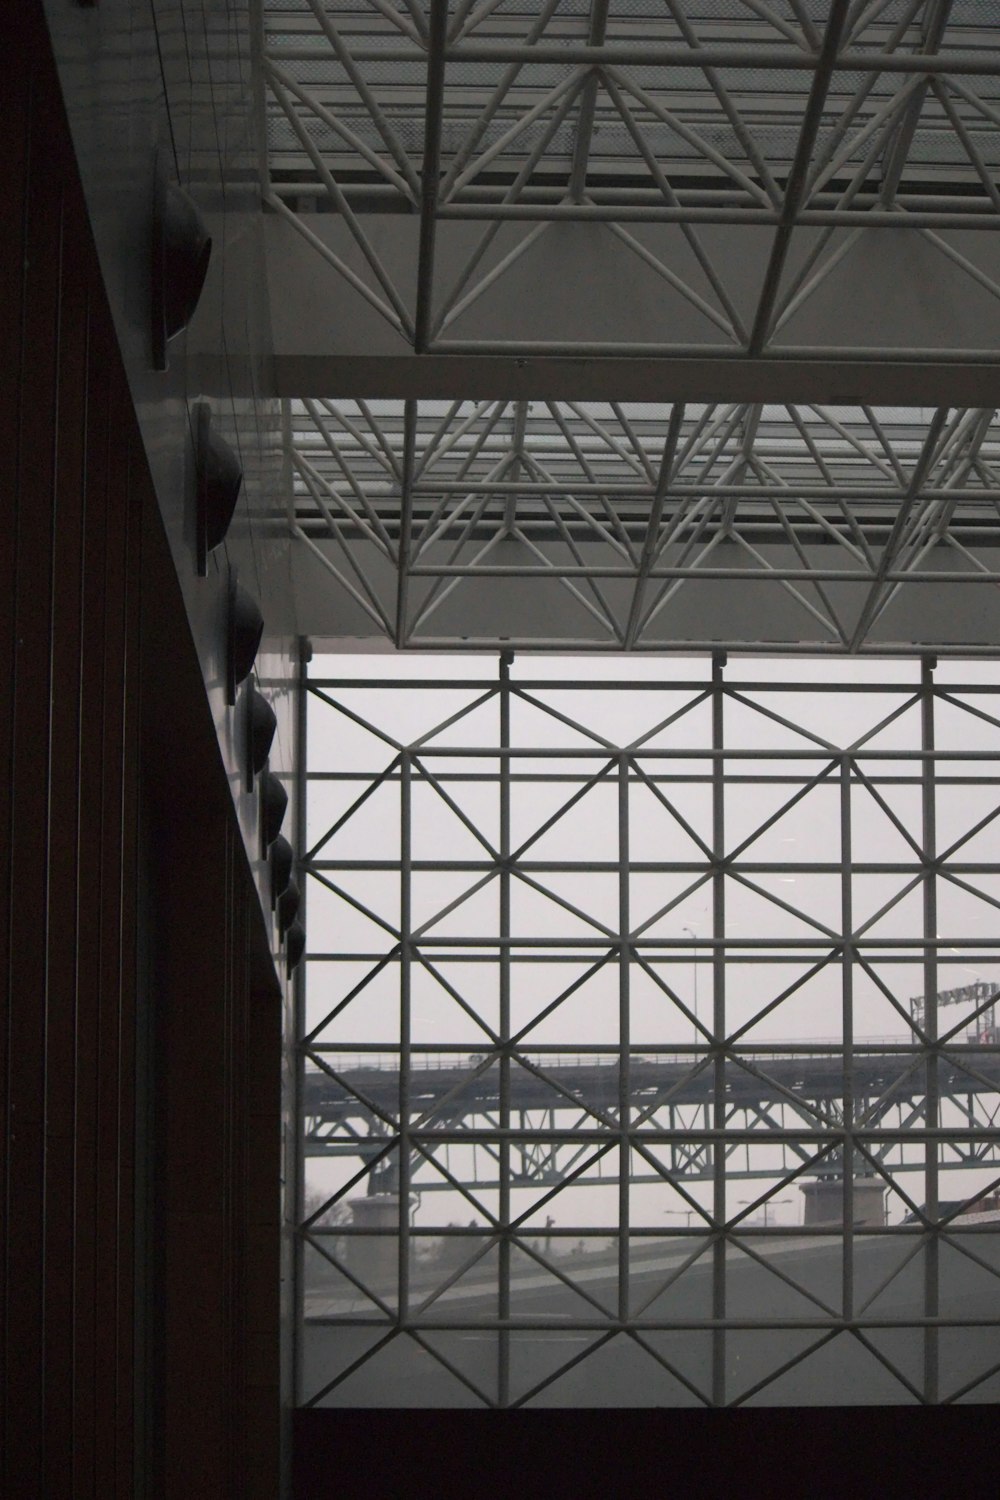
<point>29,679</point>
<point>70,680</point>
<point>217,1187</point>
<point>105,733</point>
<point>65,851</point>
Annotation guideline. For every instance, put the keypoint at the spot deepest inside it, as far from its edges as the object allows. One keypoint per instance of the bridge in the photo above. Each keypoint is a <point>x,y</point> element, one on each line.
<point>770,1110</point>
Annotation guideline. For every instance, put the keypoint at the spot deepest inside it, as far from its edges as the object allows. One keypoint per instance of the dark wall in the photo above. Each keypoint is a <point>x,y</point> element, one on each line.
<point>210,1210</point>
<point>139,1059</point>
<point>175,75</point>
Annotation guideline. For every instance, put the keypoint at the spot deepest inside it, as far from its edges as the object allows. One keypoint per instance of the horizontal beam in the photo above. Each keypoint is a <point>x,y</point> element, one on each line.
<point>652,213</point>
<point>591,376</point>
<point>969,62</point>
<point>532,335</point>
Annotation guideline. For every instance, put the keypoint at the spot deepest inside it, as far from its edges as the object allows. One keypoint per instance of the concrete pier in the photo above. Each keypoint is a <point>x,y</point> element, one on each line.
<point>375,1257</point>
<point>824,1201</point>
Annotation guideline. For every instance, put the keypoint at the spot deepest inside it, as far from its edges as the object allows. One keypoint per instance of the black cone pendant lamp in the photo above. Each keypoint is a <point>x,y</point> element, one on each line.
<point>288,906</point>
<point>219,477</point>
<point>295,945</point>
<point>273,803</point>
<point>260,725</point>
<point>181,250</point>
<point>281,867</point>
<point>244,628</point>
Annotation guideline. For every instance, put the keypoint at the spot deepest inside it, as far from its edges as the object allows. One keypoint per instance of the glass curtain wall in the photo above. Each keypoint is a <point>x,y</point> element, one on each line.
<point>647,1045</point>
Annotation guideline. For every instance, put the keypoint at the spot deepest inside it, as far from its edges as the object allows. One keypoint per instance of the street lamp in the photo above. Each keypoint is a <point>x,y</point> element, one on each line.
<point>694,939</point>
<point>768,1203</point>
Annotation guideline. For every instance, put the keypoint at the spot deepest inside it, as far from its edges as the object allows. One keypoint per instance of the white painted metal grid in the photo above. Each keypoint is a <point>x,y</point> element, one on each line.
<point>636,514</point>
<point>561,932</point>
<point>818,123</point>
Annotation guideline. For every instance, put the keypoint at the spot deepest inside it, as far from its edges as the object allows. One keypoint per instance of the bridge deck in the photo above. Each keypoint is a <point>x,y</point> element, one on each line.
<point>473,1086</point>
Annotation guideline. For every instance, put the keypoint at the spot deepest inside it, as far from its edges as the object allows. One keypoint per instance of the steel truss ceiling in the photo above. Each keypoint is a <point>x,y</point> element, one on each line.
<point>803,127</point>
<point>757,184</point>
<point>624,526</point>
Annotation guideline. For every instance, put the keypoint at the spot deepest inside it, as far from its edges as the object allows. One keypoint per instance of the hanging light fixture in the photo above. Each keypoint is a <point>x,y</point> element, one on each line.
<point>219,478</point>
<point>288,906</point>
<point>181,250</point>
<point>273,804</point>
<point>261,725</point>
<point>295,945</point>
<point>244,628</point>
<point>281,867</point>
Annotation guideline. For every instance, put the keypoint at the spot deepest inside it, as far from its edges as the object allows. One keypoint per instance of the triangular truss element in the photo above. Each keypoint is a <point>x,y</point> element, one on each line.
<point>731,165</point>
<point>633,526</point>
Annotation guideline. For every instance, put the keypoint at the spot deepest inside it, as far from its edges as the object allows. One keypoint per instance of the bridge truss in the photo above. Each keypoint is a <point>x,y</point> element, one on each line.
<point>564,1113</point>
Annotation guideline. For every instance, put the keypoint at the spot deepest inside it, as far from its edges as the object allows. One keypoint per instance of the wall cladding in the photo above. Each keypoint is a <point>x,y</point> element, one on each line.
<point>176,75</point>
<point>70,606</point>
<point>212,1206</point>
<point>140,992</point>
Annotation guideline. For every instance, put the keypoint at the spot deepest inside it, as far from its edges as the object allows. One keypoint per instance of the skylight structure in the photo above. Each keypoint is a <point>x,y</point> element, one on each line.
<point>731,176</point>
<point>622,325</point>
<point>634,526</point>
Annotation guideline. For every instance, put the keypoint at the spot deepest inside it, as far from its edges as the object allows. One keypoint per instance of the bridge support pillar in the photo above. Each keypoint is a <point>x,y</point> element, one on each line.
<point>374,1257</point>
<point>824,1201</point>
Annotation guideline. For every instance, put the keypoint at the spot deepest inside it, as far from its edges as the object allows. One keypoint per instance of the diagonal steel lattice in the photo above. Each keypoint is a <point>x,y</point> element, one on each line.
<point>645,178</point>
<point>627,526</point>
<point>502,1018</point>
<point>669,123</point>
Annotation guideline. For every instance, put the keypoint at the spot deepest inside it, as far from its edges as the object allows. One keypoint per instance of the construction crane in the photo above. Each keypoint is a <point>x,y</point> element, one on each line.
<point>982,996</point>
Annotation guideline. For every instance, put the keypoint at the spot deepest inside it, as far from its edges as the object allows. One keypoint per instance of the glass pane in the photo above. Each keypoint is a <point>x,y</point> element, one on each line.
<point>656,1062</point>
